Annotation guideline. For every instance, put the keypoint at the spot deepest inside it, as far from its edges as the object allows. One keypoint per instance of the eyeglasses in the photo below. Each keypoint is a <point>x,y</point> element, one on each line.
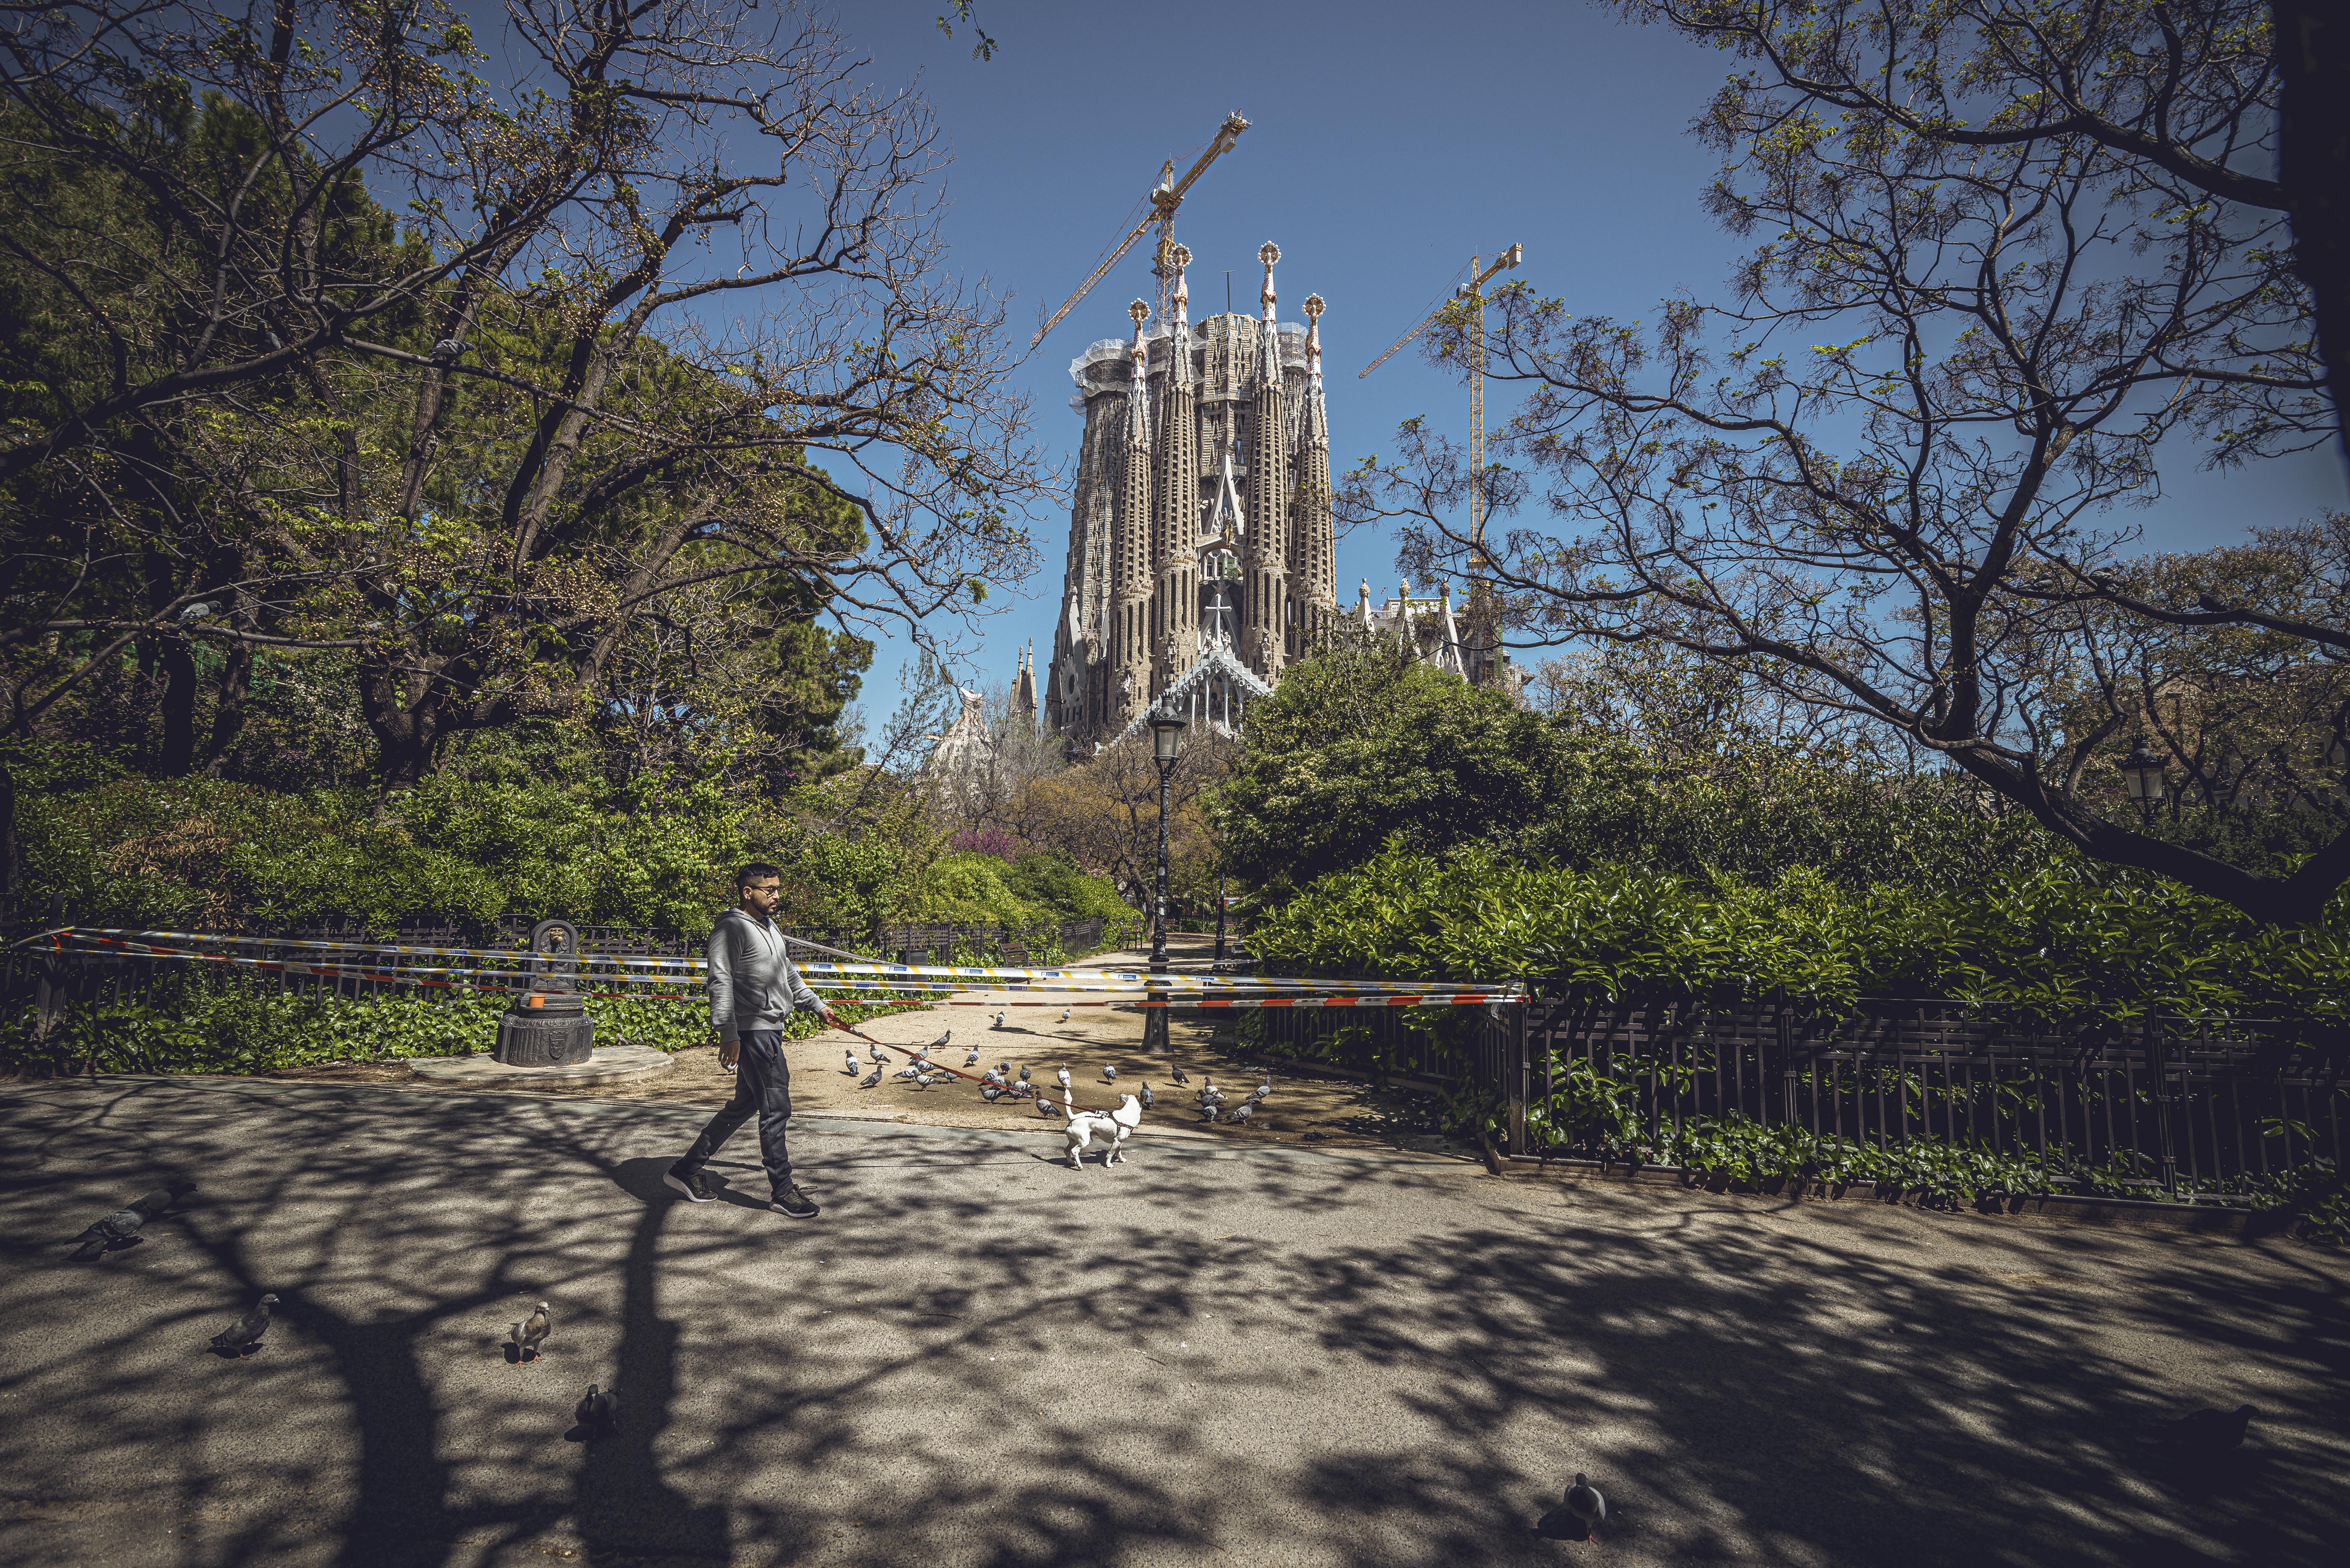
<point>764,888</point>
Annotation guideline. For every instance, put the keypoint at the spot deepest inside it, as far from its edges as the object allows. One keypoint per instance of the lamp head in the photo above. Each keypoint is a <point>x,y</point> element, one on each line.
<point>1166,736</point>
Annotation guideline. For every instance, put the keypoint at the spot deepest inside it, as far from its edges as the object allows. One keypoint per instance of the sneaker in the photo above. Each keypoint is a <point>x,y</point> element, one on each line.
<point>695,1188</point>
<point>791,1201</point>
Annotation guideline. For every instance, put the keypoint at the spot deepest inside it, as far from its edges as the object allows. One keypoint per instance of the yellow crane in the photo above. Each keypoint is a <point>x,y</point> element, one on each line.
<point>1472,292</point>
<point>1164,198</point>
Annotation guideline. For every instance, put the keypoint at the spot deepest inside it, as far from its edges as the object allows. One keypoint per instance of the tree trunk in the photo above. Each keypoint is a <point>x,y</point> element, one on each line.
<point>10,877</point>
<point>2313,55</point>
<point>229,706</point>
<point>178,662</point>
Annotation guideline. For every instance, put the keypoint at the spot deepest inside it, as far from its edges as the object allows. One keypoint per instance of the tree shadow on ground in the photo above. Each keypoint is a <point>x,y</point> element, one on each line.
<point>980,1358</point>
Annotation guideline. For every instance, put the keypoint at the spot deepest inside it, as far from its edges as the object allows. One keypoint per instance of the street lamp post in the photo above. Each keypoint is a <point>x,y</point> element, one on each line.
<point>2143,777</point>
<point>1166,746</point>
<point>1221,904</point>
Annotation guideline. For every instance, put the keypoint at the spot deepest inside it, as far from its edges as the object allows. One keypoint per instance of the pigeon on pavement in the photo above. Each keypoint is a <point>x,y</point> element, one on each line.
<point>1177,1072</point>
<point>1148,1099</point>
<point>851,1068</point>
<point>1064,1015</point>
<point>1062,1074</point>
<point>869,1079</point>
<point>971,1060</point>
<point>874,1054</point>
<point>244,1334</point>
<point>1004,1067</point>
<point>599,1412</point>
<point>119,1228</point>
<point>990,1093</point>
<point>2206,1434</point>
<point>1023,1075</point>
<point>1045,1107</point>
<point>1240,1113</point>
<point>939,1041</point>
<point>999,1022</point>
<point>1584,1502</point>
<point>909,1073</point>
<point>1109,1074</point>
<point>535,1329</point>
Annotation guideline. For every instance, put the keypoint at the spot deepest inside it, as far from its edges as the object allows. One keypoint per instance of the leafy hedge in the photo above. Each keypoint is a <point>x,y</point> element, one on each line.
<point>2064,945</point>
<point>202,1024</point>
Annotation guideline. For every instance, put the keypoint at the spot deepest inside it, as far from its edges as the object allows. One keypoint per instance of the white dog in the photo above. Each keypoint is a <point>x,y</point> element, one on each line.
<point>1112,1128</point>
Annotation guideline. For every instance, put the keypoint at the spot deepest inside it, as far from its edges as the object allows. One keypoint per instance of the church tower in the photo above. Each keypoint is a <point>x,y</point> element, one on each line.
<point>1202,557</point>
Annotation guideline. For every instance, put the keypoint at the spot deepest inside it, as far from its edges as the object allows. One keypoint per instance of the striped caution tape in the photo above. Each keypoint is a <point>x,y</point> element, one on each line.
<point>670,969</point>
<point>454,977</point>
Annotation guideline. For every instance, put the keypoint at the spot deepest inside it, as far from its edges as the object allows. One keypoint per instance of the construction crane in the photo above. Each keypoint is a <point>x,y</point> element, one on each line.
<point>1164,198</point>
<point>1470,293</point>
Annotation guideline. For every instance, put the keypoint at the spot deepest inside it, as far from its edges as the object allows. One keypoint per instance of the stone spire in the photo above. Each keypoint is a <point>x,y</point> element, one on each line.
<point>1313,541</point>
<point>1130,670</point>
<point>1266,618</point>
<point>1175,617</point>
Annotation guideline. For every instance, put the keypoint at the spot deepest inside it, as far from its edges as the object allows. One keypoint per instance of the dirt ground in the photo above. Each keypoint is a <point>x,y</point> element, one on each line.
<point>1328,1112</point>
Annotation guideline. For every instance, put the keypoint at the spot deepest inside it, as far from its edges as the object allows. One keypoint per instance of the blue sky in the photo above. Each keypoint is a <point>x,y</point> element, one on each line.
<point>1387,143</point>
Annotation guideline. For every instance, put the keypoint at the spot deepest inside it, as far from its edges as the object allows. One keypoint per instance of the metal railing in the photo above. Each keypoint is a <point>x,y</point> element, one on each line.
<point>2173,1102</point>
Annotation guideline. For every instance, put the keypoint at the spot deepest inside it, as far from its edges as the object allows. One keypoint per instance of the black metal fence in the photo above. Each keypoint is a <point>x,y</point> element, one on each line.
<point>2175,1101</point>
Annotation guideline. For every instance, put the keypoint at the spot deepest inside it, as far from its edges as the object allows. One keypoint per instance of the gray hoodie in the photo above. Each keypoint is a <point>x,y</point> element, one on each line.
<point>753,983</point>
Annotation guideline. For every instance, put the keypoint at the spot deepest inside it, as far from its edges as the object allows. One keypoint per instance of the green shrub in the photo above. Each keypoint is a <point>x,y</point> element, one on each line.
<point>206,1024</point>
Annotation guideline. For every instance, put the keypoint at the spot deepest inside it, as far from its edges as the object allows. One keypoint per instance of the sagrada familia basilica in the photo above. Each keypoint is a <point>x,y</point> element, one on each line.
<point>1201,558</point>
<point>1201,555</point>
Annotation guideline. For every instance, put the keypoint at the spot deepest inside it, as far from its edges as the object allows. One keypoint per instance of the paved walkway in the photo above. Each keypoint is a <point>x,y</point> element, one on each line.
<point>1214,1353</point>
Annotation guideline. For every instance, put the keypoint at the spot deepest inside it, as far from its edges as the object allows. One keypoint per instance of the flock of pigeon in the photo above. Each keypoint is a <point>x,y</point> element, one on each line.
<point>999,1083</point>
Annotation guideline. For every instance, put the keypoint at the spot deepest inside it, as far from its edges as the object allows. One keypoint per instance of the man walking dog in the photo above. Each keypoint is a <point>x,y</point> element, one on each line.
<point>753,986</point>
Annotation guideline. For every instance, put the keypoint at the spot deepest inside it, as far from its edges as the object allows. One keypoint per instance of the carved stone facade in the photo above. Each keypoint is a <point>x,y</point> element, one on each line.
<point>1201,520</point>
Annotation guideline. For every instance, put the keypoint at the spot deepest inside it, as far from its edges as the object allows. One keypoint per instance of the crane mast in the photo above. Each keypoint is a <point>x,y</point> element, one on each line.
<point>1470,293</point>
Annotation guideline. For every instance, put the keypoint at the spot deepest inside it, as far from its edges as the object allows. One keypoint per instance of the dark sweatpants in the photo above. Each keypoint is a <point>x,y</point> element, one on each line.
<point>762,1083</point>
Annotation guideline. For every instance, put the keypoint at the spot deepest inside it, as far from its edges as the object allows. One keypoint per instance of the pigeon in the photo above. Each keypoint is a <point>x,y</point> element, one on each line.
<point>934,1044</point>
<point>1208,1111</point>
<point>1207,1085</point>
<point>1023,1075</point>
<point>971,1060</point>
<point>122,1225</point>
<point>1064,1015</point>
<point>1178,1073</point>
<point>1148,1099</point>
<point>1257,1095</point>
<point>990,1093</point>
<point>448,348</point>
<point>119,1228</point>
<point>1061,1075</point>
<point>196,611</point>
<point>999,1022</point>
<point>599,1412</point>
<point>851,1068</point>
<point>1242,1112</point>
<point>923,1080</point>
<point>1584,1502</point>
<point>992,1075</point>
<point>535,1329</point>
<point>2206,1434</point>
<point>1109,1074</point>
<point>909,1073</point>
<point>244,1334</point>
<point>1045,1107</point>
<point>874,1054</point>
<point>869,1079</point>
<point>1004,1067</point>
